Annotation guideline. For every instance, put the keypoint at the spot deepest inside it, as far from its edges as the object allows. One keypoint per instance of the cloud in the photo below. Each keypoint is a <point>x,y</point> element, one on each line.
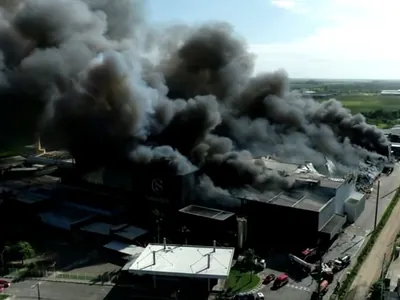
<point>286,4</point>
<point>291,5</point>
<point>356,38</point>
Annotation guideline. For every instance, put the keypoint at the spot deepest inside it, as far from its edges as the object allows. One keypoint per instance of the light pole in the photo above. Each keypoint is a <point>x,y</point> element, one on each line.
<point>37,286</point>
<point>54,268</point>
<point>377,201</point>
<point>159,221</point>
<point>377,204</point>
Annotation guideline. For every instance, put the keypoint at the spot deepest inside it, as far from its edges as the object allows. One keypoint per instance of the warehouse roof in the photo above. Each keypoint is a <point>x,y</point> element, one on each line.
<point>305,172</point>
<point>184,261</point>
<point>312,199</point>
<point>307,200</point>
<point>323,181</point>
<point>273,164</point>
<point>59,158</point>
<point>11,161</point>
<point>98,228</point>
<point>131,250</point>
<point>130,232</point>
<point>207,212</point>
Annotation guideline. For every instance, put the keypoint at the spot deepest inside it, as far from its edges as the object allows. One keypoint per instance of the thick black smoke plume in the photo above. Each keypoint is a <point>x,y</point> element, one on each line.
<point>112,89</point>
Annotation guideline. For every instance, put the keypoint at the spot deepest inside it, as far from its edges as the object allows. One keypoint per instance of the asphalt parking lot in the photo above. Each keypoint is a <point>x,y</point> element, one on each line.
<point>298,288</point>
<point>57,291</point>
<point>294,290</point>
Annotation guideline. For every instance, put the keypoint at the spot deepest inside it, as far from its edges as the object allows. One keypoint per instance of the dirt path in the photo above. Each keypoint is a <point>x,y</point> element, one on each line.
<point>372,266</point>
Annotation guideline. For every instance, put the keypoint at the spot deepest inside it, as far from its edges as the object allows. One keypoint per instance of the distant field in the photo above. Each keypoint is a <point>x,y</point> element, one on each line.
<point>361,103</point>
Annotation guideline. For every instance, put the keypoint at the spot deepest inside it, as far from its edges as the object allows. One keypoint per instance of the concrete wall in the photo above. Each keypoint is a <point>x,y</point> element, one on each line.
<point>326,213</point>
<point>354,209</point>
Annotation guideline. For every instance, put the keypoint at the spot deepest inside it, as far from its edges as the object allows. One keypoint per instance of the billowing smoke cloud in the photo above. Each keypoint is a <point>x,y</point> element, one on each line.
<point>101,82</point>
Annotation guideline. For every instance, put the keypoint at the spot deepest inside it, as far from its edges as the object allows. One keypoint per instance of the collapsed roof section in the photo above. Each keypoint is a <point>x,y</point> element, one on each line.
<point>304,172</point>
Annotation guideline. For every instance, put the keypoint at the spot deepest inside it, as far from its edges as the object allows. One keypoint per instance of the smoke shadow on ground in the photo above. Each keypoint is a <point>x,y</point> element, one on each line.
<point>278,262</point>
<point>281,263</point>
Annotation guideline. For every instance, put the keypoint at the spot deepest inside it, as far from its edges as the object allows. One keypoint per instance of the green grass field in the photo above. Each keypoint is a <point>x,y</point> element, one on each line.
<point>238,282</point>
<point>361,103</point>
<point>4,296</point>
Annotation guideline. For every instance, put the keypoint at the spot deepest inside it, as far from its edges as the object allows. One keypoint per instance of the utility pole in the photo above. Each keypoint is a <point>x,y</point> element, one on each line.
<point>382,275</point>
<point>377,205</point>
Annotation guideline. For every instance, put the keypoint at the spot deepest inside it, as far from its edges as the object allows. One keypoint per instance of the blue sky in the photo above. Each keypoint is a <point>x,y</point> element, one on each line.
<point>307,38</point>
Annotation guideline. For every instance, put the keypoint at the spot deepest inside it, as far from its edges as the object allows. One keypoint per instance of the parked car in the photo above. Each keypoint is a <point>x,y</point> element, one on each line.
<point>4,283</point>
<point>280,281</point>
<point>269,278</point>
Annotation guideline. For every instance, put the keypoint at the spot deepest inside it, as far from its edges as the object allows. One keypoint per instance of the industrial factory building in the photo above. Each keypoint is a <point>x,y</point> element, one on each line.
<point>390,92</point>
<point>316,210</point>
<point>177,264</point>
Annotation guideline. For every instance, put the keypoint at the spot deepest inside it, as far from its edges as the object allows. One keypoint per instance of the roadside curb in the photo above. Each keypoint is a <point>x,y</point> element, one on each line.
<point>255,289</point>
<point>70,281</point>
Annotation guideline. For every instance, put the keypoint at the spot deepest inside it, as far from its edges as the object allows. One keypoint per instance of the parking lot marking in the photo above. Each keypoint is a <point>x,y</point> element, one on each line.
<point>298,287</point>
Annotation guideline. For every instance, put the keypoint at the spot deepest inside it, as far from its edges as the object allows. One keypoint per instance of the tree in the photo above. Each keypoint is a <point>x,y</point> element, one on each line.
<point>249,259</point>
<point>25,249</point>
<point>185,232</point>
<point>377,289</point>
<point>158,216</point>
<point>22,249</point>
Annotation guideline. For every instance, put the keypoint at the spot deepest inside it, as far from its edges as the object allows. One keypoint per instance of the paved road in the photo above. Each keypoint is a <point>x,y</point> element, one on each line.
<point>58,291</point>
<point>292,291</point>
<point>388,184</point>
<point>371,268</point>
<point>299,289</point>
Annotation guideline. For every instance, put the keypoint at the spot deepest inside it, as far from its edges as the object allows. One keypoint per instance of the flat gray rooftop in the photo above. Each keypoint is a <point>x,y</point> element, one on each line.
<point>131,250</point>
<point>311,200</point>
<point>56,155</point>
<point>184,261</point>
<point>30,197</point>
<point>130,232</point>
<point>98,228</point>
<point>307,200</point>
<point>64,216</point>
<point>312,203</point>
<point>12,161</point>
<point>286,199</point>
<point>206,212</point>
